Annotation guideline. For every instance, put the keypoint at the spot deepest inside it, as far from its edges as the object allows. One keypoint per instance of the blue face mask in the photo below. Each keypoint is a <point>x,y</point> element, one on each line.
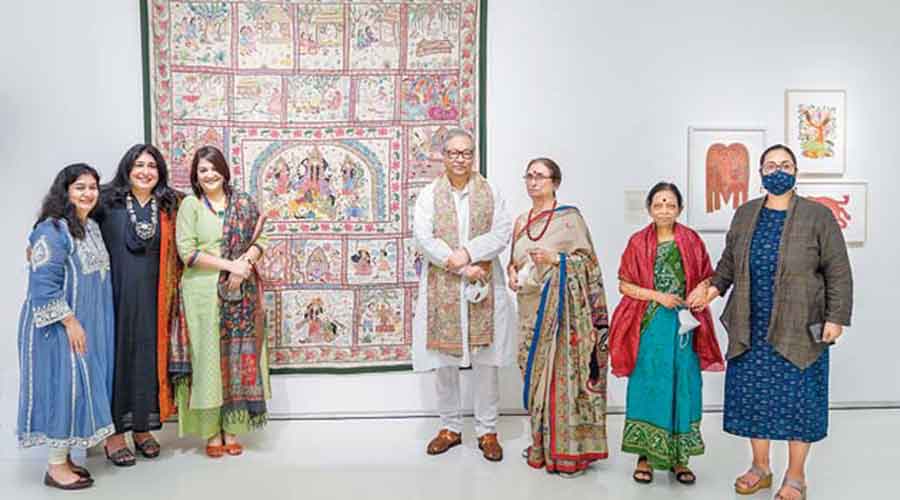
<point>779,182</point>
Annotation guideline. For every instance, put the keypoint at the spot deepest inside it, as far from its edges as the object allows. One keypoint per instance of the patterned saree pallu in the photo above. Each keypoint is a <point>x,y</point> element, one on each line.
<point>332,116</point>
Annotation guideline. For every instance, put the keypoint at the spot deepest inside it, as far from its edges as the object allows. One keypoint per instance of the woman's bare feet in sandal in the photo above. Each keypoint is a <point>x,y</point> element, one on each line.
<point>115,443</point>
<point>232,446</point>
<point>758,477</point>
<point>214,448</point>
<point>643,473</point>
<point>792,489</point>
<point>684,475</point>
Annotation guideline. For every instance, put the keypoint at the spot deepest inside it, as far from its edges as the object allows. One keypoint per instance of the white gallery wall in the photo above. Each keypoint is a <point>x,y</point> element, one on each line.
<point>606,88</point>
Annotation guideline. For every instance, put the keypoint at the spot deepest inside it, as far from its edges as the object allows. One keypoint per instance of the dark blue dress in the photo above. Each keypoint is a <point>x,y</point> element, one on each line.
<point>766,396</point>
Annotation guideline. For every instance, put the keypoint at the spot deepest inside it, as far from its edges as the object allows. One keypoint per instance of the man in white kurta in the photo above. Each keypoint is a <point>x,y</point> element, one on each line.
<point>487,247</point>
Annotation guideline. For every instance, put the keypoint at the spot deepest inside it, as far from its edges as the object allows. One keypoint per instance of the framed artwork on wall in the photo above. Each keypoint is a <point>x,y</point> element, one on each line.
<point>722,173</point>
<point>847,200</point>
<point>816,129</point>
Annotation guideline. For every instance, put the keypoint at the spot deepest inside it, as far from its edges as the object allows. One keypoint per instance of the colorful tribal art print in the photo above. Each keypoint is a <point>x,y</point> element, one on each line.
<point>332,116</point>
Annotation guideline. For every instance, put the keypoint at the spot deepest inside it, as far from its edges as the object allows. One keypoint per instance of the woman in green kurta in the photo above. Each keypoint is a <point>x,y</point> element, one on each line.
<point>219,359</point>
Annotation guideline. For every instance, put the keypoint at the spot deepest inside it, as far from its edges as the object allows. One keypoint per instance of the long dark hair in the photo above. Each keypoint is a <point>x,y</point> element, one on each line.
<point>56,203</point>
<point>214,156</point>
<point>116,190</point>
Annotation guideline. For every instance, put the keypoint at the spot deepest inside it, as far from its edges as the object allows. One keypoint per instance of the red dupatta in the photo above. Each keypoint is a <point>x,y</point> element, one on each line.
<point>637,267</point>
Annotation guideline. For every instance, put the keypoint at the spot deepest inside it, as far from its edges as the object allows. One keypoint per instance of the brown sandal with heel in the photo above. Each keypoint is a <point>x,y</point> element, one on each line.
<point>764,480</point>
<point>793,484</point>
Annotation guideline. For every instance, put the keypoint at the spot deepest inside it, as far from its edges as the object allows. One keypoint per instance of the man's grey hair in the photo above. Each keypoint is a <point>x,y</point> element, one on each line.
<point>454,133</point>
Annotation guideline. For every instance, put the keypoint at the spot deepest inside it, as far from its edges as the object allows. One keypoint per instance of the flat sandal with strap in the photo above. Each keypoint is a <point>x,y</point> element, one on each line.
<point>792,483</point>
<point>643,476</point>
<point>149,447</point>
<point>764,481</point>
<point>121,457</point>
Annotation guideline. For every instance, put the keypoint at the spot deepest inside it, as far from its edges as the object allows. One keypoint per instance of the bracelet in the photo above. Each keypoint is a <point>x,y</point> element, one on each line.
<point>261,251</point>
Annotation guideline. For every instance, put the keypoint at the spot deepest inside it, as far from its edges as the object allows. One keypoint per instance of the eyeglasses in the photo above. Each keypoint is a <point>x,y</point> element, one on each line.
<point>454,154</point>
<point>535,177</point>
<point>771,167</point>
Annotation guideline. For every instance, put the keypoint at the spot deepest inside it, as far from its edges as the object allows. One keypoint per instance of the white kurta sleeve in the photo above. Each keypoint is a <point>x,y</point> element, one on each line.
<point>435,250</point>
<point>492,243</point>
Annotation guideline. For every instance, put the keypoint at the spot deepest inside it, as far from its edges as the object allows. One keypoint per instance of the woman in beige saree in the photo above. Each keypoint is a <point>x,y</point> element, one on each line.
<point>563,323</point>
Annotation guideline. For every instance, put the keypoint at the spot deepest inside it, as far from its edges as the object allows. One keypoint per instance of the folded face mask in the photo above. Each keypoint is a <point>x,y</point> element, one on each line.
<point>523,273</point>
<point>686,321</point>
<point>475,291</point>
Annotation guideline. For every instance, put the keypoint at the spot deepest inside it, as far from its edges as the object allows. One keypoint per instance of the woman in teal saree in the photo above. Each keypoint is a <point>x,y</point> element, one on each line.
<point>661,347</point>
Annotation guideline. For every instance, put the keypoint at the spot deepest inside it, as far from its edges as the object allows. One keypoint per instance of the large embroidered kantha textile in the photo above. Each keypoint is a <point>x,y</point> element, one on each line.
<point>332,115</point>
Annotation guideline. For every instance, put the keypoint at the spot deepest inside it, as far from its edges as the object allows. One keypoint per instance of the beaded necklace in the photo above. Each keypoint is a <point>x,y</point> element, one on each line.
<point>546,224</point>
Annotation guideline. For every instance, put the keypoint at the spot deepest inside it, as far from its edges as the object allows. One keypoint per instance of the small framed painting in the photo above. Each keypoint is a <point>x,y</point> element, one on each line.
<point>722,173</point>
<point>816,129</point>
<point>847,200</point>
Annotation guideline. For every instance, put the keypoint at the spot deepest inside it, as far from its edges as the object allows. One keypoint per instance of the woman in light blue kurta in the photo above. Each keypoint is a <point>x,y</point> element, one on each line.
<point>66,330</point>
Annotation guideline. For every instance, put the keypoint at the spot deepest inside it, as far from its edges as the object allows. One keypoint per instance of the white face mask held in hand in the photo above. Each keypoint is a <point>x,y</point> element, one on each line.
<point>475,291</point>
<point>686,321</point>
<point>523,273</point>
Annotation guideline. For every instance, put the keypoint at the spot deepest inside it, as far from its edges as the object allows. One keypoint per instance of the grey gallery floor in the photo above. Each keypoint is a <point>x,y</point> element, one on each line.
<point>385,459</point>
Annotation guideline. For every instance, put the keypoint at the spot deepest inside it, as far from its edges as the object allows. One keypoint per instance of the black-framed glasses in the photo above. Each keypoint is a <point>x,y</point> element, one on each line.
<point>454,154</point>
<point>770,167</point>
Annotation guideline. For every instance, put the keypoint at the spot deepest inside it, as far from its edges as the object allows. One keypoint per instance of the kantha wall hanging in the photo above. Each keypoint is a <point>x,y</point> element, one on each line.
<point>332,114</point>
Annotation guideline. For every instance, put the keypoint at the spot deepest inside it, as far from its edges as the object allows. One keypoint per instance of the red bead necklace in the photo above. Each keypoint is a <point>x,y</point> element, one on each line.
<point>546,224</point>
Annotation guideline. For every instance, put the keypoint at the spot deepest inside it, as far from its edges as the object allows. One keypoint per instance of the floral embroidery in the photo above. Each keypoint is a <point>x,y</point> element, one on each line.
<point>92,251</point>
<point>51,312</point>
<point>40,253</point>
<point>248,369</point>
<point>38,438</point>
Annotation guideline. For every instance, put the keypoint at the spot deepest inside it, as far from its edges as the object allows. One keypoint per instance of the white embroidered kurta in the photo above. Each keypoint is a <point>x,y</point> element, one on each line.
<point>486,247</point>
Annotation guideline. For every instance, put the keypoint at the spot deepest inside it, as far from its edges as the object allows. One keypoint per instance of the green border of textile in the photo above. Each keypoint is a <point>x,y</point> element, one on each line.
<point>482,157</point>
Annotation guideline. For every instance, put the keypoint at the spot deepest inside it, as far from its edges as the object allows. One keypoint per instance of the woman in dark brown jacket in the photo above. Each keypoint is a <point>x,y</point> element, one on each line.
<point>793,292</point>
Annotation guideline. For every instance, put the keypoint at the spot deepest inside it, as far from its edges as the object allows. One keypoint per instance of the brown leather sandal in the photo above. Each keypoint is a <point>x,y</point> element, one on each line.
<point>77,469</point>
<point>685,476</point>
<point>149,447</point>
<point>121,457</point>
<point>80,484</point>
<point>490,447</point>
<point>445,440</point>
<point>643,476</point>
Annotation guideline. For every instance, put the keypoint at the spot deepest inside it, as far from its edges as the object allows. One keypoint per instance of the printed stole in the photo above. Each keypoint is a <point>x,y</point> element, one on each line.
<point>242,322</point>
<point>444,316</point>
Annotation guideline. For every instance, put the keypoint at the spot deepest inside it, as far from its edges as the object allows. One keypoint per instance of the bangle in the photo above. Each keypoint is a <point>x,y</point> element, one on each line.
<point>258,247</point>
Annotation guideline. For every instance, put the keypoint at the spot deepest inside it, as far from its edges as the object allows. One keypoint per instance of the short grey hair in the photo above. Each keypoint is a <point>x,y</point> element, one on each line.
<point>457,132</point>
